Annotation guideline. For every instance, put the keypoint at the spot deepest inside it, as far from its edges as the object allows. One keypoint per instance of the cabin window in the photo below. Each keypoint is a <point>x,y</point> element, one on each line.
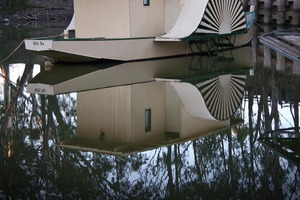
<point>146,2</point>
<point>147,120</point>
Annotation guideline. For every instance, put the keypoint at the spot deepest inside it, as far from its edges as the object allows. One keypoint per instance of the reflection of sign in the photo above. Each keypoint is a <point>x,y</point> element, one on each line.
<point>40,89</point>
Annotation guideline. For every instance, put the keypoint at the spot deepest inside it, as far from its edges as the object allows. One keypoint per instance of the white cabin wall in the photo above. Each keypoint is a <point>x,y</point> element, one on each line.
<point>147,21</point>
<point>173,112</point>
<point>102,18</point>
<point>172,9</point>
<point>108,110</point>
<point>148,96</point>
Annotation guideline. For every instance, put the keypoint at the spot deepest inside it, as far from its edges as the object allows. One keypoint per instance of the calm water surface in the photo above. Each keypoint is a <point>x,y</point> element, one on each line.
<point>235,162</point>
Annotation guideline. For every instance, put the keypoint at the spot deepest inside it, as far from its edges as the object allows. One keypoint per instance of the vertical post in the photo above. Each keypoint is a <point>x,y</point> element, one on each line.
<point>280,63</point>
<point>254,3</point>
<point>296,12</point>
<point>267,57</point>
<point>281,11</point>
<point>254,44</point>
<point>268,11</point>
<point>245,4</point>
<point>296,67</point>
<point>267,51</point>
<point>66,34</point>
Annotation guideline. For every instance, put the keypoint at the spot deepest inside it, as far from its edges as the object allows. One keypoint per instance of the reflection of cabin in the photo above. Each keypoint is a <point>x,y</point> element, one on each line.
<point>137,117</point>
<point>121,113</point>
<point>124,19</point>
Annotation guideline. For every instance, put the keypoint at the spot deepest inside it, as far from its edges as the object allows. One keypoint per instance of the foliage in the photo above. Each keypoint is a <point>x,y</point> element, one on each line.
<point>13,5</point>
<point>218,166</point>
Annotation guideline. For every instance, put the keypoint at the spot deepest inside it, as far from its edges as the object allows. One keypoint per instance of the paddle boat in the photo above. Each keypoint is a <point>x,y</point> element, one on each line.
<point>138,30</point>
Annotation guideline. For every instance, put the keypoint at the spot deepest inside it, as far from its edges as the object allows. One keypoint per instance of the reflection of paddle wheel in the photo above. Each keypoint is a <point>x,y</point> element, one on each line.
<point>223,94</point>
<point>207,64</point>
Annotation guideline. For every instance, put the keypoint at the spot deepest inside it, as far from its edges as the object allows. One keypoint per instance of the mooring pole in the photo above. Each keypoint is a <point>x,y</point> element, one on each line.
<point>280,62</point>
<point>245,4</point>
<point>296,67</point>
<point>268,11</point>
<point>281,11</point>
<point>267,57</point>
<point>254,2</point>
<point>296,12</point>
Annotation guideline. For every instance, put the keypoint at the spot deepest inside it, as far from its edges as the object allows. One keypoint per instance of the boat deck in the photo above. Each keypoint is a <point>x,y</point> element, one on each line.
<point>286,42</point>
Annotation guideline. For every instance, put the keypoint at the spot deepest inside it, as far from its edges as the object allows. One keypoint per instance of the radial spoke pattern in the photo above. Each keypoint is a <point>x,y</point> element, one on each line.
<point>223,95</point>
<point>223,17</point>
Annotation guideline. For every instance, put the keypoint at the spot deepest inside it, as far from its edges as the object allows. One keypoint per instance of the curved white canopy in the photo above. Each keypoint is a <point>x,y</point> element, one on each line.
<point>223,94</point>
<point>192,100</point>
<point>188,20</point>
<point>207,16</point>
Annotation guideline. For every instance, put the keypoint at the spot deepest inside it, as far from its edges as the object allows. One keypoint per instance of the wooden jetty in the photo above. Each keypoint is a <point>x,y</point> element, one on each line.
<point>286,43</point>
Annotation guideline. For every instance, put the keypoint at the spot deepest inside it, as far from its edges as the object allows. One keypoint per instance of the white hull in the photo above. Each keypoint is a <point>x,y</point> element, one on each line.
<point>73,50</point>
<point>82,77</point>
<point>86,50</point>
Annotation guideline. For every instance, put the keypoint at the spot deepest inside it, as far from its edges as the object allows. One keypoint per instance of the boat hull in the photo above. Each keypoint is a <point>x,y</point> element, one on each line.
<point>87,50</point>
<point>72,50</point>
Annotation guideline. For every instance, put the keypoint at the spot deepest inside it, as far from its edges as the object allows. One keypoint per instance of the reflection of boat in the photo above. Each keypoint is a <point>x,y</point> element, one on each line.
<point>170,102</point>
<point>74,78</point>
<point>126,119</point>
<point>135,31</point>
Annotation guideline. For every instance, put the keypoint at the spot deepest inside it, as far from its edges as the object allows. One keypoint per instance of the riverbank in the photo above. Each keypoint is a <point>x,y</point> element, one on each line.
<point>40,19</point>
<point>37,12</point>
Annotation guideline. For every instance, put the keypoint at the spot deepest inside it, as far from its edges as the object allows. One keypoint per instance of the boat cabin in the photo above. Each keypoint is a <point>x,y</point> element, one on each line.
<point>152,18</point>
<point>124,19</point>
<point>137,117</point>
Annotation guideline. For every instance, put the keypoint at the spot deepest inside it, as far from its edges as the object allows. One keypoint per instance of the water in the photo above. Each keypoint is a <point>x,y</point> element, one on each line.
<point>197,159</point>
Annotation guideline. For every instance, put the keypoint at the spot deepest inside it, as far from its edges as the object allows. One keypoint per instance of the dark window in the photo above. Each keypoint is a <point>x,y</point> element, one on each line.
<point>146,2</point>
<point>147,120</point>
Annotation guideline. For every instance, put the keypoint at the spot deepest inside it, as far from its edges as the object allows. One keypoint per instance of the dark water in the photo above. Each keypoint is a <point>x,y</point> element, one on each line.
<point>255,159</point>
